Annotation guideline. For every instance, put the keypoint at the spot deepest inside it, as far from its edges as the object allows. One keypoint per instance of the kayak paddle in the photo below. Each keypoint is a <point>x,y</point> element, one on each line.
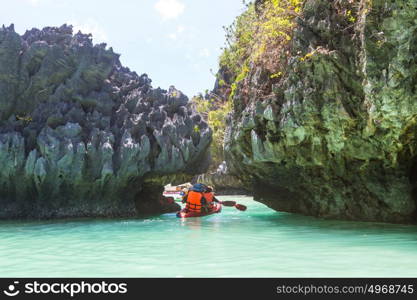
<point>233,203</point>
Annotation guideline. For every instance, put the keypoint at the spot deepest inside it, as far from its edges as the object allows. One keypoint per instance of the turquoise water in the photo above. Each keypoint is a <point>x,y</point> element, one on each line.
<point>256,243</point>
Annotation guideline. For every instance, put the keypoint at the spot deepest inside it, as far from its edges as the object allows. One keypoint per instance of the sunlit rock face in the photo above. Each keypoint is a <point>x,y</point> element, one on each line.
<point>81,135</point>
<point>336,138</point>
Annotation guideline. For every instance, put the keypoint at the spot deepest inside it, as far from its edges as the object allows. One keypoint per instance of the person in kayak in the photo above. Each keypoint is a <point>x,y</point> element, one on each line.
<point>200,198</point>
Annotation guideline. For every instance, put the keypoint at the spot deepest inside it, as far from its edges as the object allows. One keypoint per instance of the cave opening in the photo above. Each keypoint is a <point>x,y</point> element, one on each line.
<point>150,201</point>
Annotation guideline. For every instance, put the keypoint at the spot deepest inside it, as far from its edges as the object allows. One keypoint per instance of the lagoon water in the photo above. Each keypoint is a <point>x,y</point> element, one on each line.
<point>256,243</point>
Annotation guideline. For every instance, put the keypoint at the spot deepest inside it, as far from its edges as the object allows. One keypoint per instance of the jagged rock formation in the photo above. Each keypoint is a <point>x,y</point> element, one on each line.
<point>81,135</point>
<point>336,135</point>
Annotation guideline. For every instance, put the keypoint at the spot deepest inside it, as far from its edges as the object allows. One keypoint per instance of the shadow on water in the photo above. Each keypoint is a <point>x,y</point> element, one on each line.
<point>312,224</point>
<point>65,224</point>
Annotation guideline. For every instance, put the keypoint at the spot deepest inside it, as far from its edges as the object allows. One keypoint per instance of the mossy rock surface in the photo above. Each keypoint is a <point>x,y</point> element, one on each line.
<point>337,136</point>
<point>83,136</point>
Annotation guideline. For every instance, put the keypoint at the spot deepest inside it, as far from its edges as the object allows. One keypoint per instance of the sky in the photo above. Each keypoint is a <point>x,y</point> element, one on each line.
<point>176,42</point>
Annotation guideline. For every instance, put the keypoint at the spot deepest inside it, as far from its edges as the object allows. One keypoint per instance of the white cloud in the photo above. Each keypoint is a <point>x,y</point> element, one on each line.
<point>37,3</point>
<point>90,26</point>
<point>196,66</point>
<point>149,40</point>
<point>180,29</point>
<point>172,36</point>
<point>188,56</point>
<point>34,2</point>
<point>175,35</point>
<point>205,52</point>
<point>169,9</point>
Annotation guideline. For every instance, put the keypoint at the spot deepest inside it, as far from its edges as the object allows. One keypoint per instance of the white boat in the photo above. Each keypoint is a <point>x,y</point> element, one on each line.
<point>176,191</point>
<point>176,195</point>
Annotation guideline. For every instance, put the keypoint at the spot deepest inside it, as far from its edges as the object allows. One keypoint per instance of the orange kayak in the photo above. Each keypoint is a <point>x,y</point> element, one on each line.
<point>192,214</point>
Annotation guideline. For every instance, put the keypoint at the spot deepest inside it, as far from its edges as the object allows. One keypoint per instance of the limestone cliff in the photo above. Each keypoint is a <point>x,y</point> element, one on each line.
<point>333,134</point>
<point>81,135</point>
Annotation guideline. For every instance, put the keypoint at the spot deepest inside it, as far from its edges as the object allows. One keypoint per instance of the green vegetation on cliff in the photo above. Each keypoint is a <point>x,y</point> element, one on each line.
<point>260,36</point>
<point>214,112</point>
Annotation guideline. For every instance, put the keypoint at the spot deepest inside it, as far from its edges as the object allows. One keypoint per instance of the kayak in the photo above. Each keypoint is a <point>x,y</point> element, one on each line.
<point>192,214</point>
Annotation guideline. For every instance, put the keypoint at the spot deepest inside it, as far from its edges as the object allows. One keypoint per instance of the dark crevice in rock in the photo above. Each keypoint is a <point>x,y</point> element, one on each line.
<point>149,201</point>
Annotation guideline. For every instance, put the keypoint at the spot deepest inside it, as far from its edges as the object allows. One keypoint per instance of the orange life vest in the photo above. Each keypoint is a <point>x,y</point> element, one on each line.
<point>195,203</point>
<point>209,197</point>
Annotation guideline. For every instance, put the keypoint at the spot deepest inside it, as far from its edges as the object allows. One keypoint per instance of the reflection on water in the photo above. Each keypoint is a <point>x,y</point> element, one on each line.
<point>256,243</point>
